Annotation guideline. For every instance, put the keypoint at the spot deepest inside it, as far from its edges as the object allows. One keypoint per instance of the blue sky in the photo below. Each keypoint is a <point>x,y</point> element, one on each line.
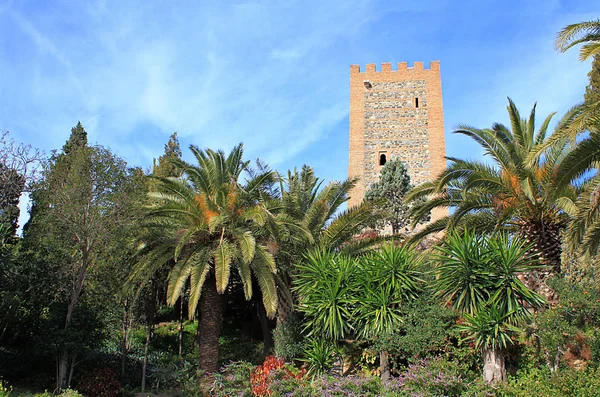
<point>274,75</point>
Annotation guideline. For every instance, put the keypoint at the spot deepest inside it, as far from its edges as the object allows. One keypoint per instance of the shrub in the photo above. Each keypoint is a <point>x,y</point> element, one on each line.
<point>100,383</point>
<point>541,382</point>
<point>287,338</point>
<point>70,393</point>
<point>263,375</point>
<point>320,356</point>
<point>5,389</point>
<point>233,380</point>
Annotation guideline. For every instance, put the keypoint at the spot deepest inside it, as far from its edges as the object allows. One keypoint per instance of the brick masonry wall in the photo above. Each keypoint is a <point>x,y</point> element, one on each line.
<point>384,118</point>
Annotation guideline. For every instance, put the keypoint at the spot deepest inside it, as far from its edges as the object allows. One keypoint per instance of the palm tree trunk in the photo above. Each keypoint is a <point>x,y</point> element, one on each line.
<point>209,325</point>
<point>265,327</point>
<point>545,236</point>
<point>494,365</point>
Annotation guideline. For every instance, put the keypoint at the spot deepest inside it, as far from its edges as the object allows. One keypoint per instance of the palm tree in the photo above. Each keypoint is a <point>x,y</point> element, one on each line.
<point>584,231</point>
<point>479,277</point>
<point>314,209</point>
<point>586,33</point>
<point>207,222</point>
<point>515,192</point>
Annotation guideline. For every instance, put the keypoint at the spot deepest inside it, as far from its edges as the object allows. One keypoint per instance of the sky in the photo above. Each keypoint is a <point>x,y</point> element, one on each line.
<point>271,74</point>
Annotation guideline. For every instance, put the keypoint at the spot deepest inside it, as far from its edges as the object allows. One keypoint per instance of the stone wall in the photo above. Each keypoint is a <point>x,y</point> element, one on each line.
<point>397,113</point>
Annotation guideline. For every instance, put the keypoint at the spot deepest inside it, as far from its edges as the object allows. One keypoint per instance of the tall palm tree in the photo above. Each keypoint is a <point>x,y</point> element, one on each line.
<point>582,163</point>
<point>586,33</point>
<point>479,277</point>
<point>514,191</point>
<point>207,221</point>
<point>314,209</point>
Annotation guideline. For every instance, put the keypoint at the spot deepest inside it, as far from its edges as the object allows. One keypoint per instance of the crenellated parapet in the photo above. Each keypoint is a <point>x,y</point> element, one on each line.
<point>402,67</point>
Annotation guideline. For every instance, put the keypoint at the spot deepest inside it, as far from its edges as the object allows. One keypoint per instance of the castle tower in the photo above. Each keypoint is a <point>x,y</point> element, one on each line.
<point>396,114</point>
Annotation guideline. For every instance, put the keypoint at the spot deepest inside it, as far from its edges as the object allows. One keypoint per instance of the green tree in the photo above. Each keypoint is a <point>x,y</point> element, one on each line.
<point>479,277</point>
<point>389,193</point>
<point>515,192</point>
<point>586,33</point>
<point>77,139</point>
<point>208,221</point>
<point>79,206</point>
<point>592,91</point>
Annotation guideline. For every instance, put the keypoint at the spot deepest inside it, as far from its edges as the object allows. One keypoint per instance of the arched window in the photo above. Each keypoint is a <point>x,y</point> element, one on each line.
<point>382,159</point>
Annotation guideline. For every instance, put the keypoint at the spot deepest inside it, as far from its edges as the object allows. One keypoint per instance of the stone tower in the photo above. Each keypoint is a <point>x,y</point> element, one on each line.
<point>396,114</point>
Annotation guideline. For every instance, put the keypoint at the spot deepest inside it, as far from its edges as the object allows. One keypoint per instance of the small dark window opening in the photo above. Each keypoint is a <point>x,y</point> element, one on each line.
<point>382,159</point>
<point>416,102</point>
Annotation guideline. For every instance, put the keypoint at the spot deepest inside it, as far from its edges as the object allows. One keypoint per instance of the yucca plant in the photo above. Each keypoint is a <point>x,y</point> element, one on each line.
<point>479,276</point>
<point>320,356</point>
<point>491,331</point>
<point>343,297</point>
<point>389,278</point>
<point>326,284</point>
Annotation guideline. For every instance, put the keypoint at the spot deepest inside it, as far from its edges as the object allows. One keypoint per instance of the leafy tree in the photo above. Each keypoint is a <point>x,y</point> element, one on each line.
<point>592,91</point>
<point>207,221</point>
<point>586,33</point>
<point>515,192</point>
<point>77,139</point>
<point>389,193</point>
<point>80,205</point>
<point>479,277</point>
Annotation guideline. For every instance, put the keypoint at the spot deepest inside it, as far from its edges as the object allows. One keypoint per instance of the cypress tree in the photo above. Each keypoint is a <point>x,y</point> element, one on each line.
<point>78,139</point>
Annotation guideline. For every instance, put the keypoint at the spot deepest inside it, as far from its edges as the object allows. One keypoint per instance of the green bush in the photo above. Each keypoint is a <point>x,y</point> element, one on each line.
<point>287,337</point>
<point>5,389</point>
<point>320,356</point>
<point>564,383</point>
<point>232,380</point>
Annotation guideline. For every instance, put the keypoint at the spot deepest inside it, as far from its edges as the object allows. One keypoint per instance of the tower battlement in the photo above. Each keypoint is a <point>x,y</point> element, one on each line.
<point>401,67</point>
<point>395,114</point>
